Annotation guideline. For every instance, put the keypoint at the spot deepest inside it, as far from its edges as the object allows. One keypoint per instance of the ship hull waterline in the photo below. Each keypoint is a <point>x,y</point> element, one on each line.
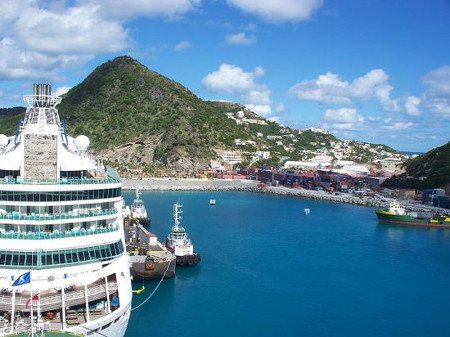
<point>407,220</point>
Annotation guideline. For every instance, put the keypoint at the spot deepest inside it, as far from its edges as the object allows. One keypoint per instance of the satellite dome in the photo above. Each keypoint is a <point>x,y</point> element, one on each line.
<point>3,141</point>
<point>240,114</point>
<point>82,143</point>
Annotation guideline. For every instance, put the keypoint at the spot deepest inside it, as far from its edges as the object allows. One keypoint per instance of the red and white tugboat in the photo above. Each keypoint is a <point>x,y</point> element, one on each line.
<point>179,243</point>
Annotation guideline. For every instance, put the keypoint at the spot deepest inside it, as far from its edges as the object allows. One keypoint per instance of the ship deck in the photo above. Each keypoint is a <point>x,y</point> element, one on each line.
<point>138,246</point>
<point>73,317</point>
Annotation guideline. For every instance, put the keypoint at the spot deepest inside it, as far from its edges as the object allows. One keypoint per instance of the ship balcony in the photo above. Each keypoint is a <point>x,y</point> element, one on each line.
<point>17,216</point>
<point>54,309</point>
<point>56,234</point>
<point>51,299</point>
<point>63,181</point>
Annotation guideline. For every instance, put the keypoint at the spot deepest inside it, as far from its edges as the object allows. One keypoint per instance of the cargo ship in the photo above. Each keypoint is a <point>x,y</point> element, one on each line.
<point>397,214</point>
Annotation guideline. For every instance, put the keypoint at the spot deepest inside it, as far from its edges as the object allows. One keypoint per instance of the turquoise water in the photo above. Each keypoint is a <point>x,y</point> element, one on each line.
<point>269,270</point>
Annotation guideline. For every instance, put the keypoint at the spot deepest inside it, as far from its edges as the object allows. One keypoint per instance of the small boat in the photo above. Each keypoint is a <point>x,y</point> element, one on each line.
<point>306,211</point>
<point>212,202</point>
<point>138,210</point>
<point>179,243</point>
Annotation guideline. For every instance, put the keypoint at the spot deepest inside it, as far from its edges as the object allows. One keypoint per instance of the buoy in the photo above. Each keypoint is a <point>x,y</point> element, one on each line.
<point>138,291</point>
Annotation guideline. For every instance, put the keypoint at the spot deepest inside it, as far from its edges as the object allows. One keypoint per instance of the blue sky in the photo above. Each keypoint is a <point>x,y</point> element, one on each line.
<point>376,71</point>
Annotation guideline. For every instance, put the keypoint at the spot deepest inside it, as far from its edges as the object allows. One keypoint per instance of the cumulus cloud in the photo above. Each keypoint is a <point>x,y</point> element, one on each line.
<point>264,110</point>
<point>125,9</point>
<point>78,30</point>
<point>231,79</point>
<point>278,10</point>
<point>329,88</point>
<point>17,63</point>
<point>240,39</point>
<point>412,104</point>
<point>182,46</point>
<point>343,119</point>
<point>398,126</point>
<point>61,91</point>
<point>437,95</point>
<point>38,38</point>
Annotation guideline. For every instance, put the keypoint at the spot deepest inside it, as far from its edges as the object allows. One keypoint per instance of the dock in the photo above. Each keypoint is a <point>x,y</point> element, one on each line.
<point>148,257</point>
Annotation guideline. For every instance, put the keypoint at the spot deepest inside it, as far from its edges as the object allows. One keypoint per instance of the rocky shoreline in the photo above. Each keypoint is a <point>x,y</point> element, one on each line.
<point>172,184</point>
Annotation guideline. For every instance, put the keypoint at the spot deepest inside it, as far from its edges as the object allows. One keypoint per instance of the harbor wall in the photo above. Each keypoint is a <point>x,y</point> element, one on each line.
<point>158,184</point>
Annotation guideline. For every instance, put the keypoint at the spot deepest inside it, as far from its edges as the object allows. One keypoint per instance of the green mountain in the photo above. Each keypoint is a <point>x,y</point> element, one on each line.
<point>429,170</point>
<point>139,119</point>
<point>9,118</point>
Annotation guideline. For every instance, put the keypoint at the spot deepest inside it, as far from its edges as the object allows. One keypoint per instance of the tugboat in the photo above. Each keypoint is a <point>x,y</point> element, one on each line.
<point>138,210</point>
<point>178,242</point>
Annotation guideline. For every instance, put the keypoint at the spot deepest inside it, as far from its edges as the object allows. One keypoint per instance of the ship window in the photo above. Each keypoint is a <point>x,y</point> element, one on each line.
<point>71,256</point>
<point>22,259</point>
<point>48,259</point>
<point>2,258</point>
<point>56,258</point>
<point>15,258</point>
<point>28,260</point>
<point>80,256</point>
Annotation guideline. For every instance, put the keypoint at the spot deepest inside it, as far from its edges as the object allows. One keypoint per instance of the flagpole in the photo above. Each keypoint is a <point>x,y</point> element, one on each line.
<point>39,306</point>
<point>31,315</point>
<point>13,311</point>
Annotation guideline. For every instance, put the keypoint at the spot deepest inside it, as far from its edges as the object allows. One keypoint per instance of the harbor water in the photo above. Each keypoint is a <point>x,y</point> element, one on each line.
<point>268,269</point>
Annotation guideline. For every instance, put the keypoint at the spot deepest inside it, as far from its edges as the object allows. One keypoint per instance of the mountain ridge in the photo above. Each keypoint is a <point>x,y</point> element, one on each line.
<point>137,118</point>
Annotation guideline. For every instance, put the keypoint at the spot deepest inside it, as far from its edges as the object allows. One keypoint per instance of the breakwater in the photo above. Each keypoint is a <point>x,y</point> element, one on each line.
<point>171,184</point>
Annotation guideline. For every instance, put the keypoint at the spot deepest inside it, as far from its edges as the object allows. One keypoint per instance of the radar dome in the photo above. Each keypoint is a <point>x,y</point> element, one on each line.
<point>82,143</point>
<point>3,141</point>
<point>240,114</point>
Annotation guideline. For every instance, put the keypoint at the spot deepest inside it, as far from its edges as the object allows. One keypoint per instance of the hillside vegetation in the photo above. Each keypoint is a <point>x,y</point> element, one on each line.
<point>137,118</point>
<point>429,170</point>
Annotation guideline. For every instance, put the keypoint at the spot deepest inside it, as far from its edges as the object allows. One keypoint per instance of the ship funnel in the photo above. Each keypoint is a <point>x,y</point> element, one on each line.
<point>42,93</point>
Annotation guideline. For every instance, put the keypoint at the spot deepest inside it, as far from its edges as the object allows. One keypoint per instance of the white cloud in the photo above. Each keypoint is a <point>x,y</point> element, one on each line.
<point>329,88</point>
<point>16,63</point>
<point>412,104</point>
<point>231,79</point>
<point>240,39</point>
<point>38,37</point>
<point>182,46</point>
<point>61,91</point>
<point>398,126</point>
<point>264,110</point>
<point>78,30</point>
<point>438,80</point>
<point>343,119</point>
<point>278,10</point>
<point>437,95</point>
<point>125,9</point>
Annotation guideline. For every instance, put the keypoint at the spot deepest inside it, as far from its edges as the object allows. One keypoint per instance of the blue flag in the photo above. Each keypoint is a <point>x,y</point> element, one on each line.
<point>22,279</point>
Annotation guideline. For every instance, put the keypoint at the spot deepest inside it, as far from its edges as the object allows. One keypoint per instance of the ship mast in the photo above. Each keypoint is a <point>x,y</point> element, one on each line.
<point>176,215</point>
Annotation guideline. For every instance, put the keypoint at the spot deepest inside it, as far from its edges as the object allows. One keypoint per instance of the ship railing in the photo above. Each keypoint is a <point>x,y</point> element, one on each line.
<point>52,300</point>
<point>62,181</point>
<point>61,216</point>
<point>56,234</point>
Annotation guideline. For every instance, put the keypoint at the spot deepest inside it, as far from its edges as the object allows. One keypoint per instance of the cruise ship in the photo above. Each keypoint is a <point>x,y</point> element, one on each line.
<point>63,265</point>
